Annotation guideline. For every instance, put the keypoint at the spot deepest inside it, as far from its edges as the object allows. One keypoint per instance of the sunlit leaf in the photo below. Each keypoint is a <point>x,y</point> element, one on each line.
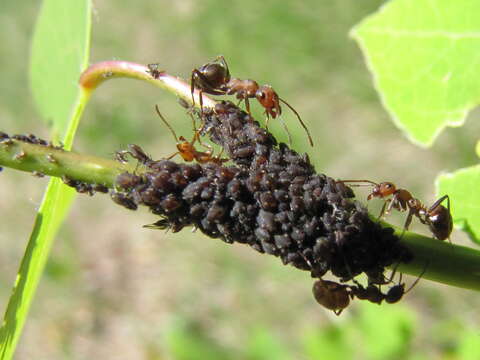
<point>462,187</point>
<point>424,58</point>
<point>59,54</point>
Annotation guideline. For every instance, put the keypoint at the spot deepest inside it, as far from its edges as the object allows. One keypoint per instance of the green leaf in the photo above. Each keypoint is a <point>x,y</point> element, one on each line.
<point>264,344</point>
<point>59,54</point>
<point>386,331</point>
<point>331,342</point>
<point>462,187</point>
<point>423,55</point>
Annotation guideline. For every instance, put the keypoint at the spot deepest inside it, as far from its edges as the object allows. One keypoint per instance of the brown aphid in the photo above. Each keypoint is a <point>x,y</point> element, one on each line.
<point>214,78</point>
<point>123,200</point>
<point>38,174</point>
<point>153,70</point>
<point>331,295</point>
<point>135,152</point>
<point>187,150</point>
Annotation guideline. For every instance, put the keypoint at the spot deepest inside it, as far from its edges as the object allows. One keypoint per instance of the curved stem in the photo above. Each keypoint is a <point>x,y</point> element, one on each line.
<point>100,72</point>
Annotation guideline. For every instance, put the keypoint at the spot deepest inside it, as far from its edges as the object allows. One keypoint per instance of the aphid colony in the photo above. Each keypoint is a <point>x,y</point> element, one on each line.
<point>272,199</point>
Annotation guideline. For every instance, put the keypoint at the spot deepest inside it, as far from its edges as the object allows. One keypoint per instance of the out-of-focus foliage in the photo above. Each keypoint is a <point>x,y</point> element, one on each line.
<point>462,186</point>
<point>423,56</point>
<point>61,45</point>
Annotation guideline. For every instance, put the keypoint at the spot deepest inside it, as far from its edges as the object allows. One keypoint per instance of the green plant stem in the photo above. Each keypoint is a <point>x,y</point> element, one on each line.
<point>446,263</point>
<point>56,162</point>
<point>100,72</point>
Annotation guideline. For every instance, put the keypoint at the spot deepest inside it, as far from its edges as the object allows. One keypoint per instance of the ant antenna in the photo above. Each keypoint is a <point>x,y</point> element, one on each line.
<point>368,182</point>
<point>300,120</point>
<point>286,130</point>
<point>166,123</point>
<point>418,278</point>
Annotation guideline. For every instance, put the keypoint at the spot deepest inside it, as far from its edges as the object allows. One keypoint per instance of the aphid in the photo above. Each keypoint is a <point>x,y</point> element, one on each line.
<point>153,70</point>
<point>437,217</point>
<point>135,152</point>
<point>123,200</point>
<point>214,78</point>
<point>331,295</point>
<point>186,149</point>
<point>20,155</point>
<point>38,174</point>
<point>51,159</point>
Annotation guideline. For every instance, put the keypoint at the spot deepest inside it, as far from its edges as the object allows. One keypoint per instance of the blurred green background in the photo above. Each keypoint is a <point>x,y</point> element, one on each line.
<point>114,290</point>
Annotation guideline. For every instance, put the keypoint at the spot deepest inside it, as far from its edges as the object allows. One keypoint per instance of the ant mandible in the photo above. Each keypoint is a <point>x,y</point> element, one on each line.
<point>186,149</point>
<point>437,217</point>
<point>214,78</point>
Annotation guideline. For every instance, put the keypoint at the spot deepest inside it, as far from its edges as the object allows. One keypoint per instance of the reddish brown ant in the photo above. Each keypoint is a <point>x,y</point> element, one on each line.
<point>331,295</point>
<point>186,149</point>
<point>214,78</point>
<point>437,217</point>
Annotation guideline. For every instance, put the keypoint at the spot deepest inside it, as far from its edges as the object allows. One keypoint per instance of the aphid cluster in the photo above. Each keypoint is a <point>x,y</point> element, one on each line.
<point>270,199</point>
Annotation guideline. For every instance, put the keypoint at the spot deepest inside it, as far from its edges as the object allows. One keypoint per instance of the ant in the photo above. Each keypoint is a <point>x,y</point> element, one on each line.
<point>332,295</point>
<point>214,78</point>
<point>186,148</point>
<point>437,217</point>
<point>396,292</point>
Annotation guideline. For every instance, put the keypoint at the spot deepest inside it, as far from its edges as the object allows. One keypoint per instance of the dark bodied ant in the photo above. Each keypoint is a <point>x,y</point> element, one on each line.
<point>437,217</point>
<point>214,78</point>
<point>331,295</point>
<point>186,148</point>
<point>396,292</point>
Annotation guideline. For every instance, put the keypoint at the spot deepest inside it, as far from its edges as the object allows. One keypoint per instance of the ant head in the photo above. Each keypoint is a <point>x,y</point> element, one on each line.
<point>382,190</point>
<point>268,97</point>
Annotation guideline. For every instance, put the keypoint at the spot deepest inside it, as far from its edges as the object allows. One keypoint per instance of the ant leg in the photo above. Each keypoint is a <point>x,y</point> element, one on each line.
<point>407,222</point>
<point>385,211</point>
<point>223,62</point>
<point>439,201</point>
<point>173,155</point>
<point>266,122</point>
<point>192,85</point>
<point>247,106</point>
